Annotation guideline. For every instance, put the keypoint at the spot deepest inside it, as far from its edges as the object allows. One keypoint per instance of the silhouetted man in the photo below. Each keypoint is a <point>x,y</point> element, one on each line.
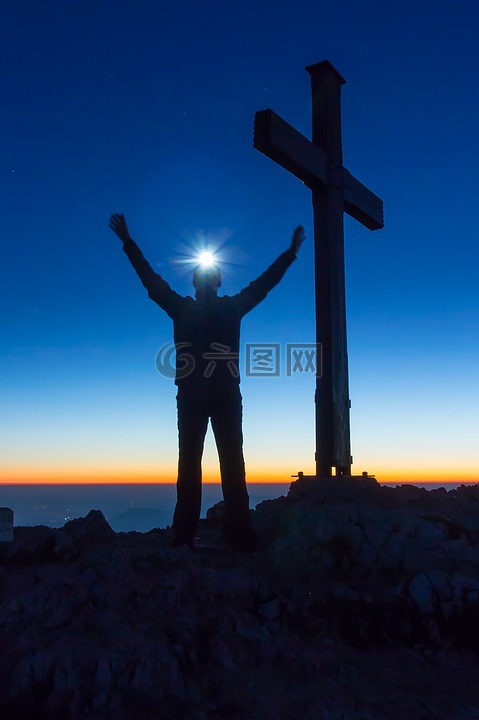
<point>206,334</point>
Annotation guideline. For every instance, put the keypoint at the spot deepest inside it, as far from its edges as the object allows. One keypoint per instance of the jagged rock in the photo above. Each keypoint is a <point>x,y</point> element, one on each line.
<point>216,513</point>
<point>65,547</point>
<point>31,544</point>
<point>422,592</point>
<point>93,527</point>
<point>270,610</point>
<point>362,603</point>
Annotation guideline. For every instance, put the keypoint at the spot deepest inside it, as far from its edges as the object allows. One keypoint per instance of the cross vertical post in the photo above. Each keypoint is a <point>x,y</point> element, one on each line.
<point>332,389</point>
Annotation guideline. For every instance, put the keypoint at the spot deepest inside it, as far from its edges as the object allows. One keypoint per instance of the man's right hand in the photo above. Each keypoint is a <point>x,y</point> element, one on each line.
<point>118,225</point>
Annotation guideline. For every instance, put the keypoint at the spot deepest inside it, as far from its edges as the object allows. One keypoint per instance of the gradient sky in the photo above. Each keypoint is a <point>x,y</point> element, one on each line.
<point>147,108</point>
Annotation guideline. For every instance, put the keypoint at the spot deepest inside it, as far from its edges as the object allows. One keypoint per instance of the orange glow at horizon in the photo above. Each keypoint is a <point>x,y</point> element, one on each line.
<point>255,474</point>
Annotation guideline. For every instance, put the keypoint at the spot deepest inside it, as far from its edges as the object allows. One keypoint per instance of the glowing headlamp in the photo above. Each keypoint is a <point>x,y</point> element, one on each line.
<point>206,259</point>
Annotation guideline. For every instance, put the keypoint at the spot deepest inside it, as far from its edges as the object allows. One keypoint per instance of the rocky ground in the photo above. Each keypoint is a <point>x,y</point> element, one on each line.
<point>363,602</point>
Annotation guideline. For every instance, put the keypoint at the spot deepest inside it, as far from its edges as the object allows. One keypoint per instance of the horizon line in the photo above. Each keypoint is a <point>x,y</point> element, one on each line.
<point>384,479</point>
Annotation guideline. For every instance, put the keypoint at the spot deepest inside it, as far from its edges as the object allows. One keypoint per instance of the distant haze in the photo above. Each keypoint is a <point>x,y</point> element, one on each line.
<point>126,507</point>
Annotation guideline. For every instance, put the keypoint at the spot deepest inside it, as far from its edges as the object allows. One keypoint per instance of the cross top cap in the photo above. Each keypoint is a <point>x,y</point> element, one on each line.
<point>323,69</point>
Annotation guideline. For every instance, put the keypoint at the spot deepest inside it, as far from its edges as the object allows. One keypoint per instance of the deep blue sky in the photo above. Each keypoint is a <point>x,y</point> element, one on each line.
<point>147,108</point>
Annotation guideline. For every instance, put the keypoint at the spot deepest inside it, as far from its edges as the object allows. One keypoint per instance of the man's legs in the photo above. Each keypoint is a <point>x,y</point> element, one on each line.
<point>226,420</point>
<point>192,426</point>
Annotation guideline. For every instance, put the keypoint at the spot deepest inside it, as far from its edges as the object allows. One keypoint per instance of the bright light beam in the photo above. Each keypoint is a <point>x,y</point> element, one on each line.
<point>206,259</point>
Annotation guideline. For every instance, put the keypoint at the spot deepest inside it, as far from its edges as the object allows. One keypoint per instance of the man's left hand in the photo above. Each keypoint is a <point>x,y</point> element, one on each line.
<point>299,236</point>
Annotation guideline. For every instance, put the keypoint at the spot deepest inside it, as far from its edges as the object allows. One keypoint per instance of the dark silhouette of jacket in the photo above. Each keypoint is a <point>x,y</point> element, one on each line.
<point>210,327</point>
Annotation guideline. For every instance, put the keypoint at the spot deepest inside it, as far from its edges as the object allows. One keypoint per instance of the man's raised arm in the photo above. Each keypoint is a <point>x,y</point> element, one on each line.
<point>158,289</point>
<point>257,290</point>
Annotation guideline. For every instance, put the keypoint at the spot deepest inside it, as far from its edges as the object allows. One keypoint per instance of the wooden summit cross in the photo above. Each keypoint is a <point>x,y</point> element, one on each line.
<point>319,164</point>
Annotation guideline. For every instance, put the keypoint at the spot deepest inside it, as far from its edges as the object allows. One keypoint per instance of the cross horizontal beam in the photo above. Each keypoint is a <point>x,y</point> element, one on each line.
<point>362,204</point>
<point>278,140</point>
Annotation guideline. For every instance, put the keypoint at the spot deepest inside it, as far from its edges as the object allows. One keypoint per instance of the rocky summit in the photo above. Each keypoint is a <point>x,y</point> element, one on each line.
<point>361,602</point>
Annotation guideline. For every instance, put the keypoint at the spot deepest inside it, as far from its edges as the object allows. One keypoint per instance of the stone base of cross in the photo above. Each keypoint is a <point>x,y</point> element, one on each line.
<point>319,165</point>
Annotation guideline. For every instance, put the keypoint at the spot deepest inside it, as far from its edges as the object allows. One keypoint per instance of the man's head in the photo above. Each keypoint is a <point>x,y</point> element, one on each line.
<point>206,280</point>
